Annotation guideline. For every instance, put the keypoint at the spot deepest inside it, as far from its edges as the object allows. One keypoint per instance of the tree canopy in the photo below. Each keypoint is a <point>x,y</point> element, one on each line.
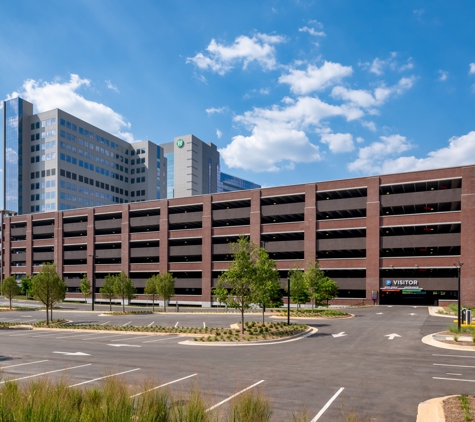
<point>10,288</point>
<point>107,290</point>
<point>165,287</point>
<point>85,287</point>
<point>151,290</point>
<point>124,288</point>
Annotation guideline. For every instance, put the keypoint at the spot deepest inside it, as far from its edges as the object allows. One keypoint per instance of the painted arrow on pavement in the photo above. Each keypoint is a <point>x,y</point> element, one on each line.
<point>124,345</point>
<point>340,334</point>
<point>392,336</point>
<point>379,313</point>
<point>412,314</point>
<point>73,354</point>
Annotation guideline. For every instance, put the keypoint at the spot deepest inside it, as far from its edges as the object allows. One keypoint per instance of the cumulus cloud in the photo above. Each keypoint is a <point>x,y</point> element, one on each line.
<point>219,133</point>
<point>472,69</point>
<point>315,78</point>
<point>214,110</point>
<point>220,58</point>
<point>338,142</point>
<point>378,66</point>
<point>369,125</point>
<point>443,75</point>
<point>111,86</point>
<point>312,31</point>
<point>278,134</point>
<point>63,94</point>
<point>460,151</point>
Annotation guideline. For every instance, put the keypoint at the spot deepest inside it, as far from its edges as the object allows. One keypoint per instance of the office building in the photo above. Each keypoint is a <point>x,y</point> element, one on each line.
<point>399,236</point>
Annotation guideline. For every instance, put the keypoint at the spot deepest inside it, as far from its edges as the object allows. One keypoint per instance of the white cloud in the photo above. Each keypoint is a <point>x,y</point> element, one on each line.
<point>278,136</point>
<point>214,110</point>
<point>407,66</point>
<point>63,95</point>
<point>378,66</point>
<point>372,159</point>
<point>110,86</point>
<point>312,31</point>
<point>459,152</point>
<point>359,139</point>
<point>443,75</point>
<point>219,133</point>
<point>369,125</point>
<point>472,69</point>
<point>220,58</point>
<point>419,12</point>
<point>315,78</point>
<point>338,142</point>
<point>368,99</point>
<point>264,91</point>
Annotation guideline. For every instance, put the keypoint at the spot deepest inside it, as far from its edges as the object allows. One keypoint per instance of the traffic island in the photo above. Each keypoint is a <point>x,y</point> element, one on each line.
<point>447,409</point>
<point>449,340</point>
<point>312,314</point>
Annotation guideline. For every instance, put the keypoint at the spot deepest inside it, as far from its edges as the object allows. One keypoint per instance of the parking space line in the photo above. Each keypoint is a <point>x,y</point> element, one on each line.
<point>234,395</point>
<point>455,356</point>
<point>149,325</point>
<point>452,379</point>
<point>101,378</point>
<point>45,373</point>
<point>104,323</point>
<point>327,405</point>
<point>127,323</point>
<point>458,366</point>
<point>22,364</point>
<point>106,336</point>
<point>77,335</point>
<point>128,338</point>
<point>451,373</point>
<point>163,385</point>
<point>162,339</point>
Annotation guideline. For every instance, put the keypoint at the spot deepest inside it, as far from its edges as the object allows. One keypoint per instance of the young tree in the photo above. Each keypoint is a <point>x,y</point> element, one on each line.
<point>235,287</point>
<point>314,277</point>
<point>267,287</point>
<point>107,290</point>
<point>85,287</point>
<point>25,285</point>
<point>10,288</point>
<point>151,289</point>
<point>298,286</point>
<point>328,290</point>
<point>124,288</point>
<point>48,287</point>
<point>165,287</point>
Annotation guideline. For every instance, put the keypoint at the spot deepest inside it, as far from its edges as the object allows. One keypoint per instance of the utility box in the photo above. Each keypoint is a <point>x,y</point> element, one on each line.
<point>468,317</point>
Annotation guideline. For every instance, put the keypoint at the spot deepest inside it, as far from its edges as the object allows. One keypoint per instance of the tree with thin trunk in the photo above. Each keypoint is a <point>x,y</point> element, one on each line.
<point>328,290</point>
<point>299,292</point>
<point>151,290</point>
<point>124,288</point>
<point>235,286</point>
<point>48,287</point>
<point>314,276</point>
<point>25,285</point>
<point>107,290</point>
<point>10,288</point>
<point>165,287</point>
<point>85,287</point>
<point>267,287</point>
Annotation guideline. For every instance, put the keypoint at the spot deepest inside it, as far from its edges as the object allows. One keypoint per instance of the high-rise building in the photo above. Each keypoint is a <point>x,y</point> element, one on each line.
<point>228,183</point>
<point>55,161</point>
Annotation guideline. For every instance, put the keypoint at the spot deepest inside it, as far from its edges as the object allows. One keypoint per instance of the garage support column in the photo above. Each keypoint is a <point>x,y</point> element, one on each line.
<point>206,251</point>
<point>372,237</point>
<point>310,223</point>
<point>125,240</point>
<point>6,245</point>
<point>255,217</point>
<point>58,243</point>
<point>467,237</point>
<point>29,244</point>
<point>163,237</point>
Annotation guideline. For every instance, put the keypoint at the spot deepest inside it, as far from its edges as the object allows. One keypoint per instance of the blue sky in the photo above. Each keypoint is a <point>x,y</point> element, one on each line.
<point>289,91</point>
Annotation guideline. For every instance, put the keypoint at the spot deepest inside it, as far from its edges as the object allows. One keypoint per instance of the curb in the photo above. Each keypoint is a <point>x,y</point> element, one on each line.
<point>314,318</point>
<point>432,410</point>
<point>430,341</point>
<point>305,334</point>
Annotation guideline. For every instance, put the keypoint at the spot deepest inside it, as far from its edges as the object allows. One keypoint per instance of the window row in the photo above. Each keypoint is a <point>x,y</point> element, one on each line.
<point>45,184</point>
<point>43,196</point>
<point>44,123</point>
<point>43,173</point>
<point>44,207</point>
<point>43,146</point>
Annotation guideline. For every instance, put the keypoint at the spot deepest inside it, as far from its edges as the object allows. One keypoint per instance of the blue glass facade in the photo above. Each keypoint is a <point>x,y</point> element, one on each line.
<point>170,174</point>
<point>232,183</point>
<point>12,155</point>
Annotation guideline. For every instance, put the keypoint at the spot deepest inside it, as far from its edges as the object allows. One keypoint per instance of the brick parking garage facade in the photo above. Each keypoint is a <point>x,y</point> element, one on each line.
<point>398,235</point>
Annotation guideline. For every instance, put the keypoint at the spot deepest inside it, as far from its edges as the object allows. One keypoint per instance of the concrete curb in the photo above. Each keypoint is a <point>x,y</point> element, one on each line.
<point>305,334</point>
<point>315,318</point>
<point>433,312</point>
<point>430,341</point>
<point>431,410</point>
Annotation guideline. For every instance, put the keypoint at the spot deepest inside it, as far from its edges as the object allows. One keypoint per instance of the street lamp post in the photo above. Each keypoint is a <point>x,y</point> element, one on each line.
<point>288,301</point>
<point>459,322</point>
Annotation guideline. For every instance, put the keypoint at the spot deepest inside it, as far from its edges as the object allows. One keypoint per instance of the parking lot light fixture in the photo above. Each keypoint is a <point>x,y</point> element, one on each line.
<point>459,316</point>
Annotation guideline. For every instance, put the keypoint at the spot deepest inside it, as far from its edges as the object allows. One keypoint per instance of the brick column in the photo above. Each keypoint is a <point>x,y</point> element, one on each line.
<point>255,227</point>
<point>125,240</point>
<point>206,251</point>
<point>163,236</point>
<point>91,252</point>
<point>372,237</point>
<point>310,223</point>
<point>29,244</point>
<point>467,237</point>
<point>6,251</point>
<point>58,242</point>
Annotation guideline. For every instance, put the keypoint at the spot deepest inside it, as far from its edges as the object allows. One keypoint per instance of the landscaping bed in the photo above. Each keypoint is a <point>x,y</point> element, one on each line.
<point>459,409</point>
<point>119,313</point>
<point>315,313</point>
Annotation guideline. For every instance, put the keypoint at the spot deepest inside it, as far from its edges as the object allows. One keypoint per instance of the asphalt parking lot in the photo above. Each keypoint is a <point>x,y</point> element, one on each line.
<point>374,364</point>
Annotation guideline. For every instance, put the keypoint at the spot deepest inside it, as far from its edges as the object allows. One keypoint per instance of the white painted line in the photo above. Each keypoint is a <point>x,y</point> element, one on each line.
<point>45,335</point>
<point>458,366</point>
<point>204,324</point>
<point>124,345</point>
<point>176,325</point>
<point>73,353</point>
<point>163,385</point>
<point>129,338</point>
<point>452,379</point>
<point>21,364</point>
<point>162,339</point>
<point>77,335</point>
<point>149,325</point>
<point>105,336</point>
<point>49,372</point>
<point>451,373</point>
<point>454,356</point>
<point>127,323</point>
<point>22,334</point>
<point>101,378</point>
<point>329,402</point>
<point>234,395</point>
<point>104,323</point>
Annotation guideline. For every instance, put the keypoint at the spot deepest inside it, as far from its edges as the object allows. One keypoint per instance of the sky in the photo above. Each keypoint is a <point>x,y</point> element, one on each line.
<point>289,91</point>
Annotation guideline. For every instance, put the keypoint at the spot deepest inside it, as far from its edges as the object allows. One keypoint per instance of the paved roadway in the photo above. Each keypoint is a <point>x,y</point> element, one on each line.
<point>382,379</point>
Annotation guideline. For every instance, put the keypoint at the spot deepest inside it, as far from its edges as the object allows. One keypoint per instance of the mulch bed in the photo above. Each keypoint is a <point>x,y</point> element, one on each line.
<point>454,412</point>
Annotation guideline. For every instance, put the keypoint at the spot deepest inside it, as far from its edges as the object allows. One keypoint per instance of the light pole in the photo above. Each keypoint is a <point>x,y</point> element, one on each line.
<point>459,267</point>
<point>288,301</point>
<point>93,293</point>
